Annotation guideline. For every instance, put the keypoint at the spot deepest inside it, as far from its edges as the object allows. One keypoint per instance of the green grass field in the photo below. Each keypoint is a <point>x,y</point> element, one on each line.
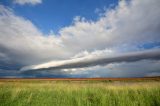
<point>79,93</point>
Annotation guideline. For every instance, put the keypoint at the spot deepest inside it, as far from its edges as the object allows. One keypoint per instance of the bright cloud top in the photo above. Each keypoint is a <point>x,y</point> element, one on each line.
<point>120,30</point>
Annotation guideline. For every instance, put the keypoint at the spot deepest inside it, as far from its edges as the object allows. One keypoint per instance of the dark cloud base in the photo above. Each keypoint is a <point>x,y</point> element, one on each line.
<point>126,57</point>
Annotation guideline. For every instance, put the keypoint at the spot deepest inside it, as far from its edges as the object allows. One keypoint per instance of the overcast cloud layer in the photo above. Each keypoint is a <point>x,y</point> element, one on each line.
<point>121,30</point>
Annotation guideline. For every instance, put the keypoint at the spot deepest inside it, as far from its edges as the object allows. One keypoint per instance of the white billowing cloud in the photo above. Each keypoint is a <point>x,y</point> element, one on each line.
<point>128,24</point>
<point>23,2</point>
<point>23,43</point>
<point>125,27</point>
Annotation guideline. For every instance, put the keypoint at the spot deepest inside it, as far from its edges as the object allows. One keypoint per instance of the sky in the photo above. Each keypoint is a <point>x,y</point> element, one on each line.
<point>79,38</point>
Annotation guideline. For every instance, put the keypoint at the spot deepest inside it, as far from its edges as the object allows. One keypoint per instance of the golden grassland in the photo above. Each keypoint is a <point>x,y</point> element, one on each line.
<point>79,93</point>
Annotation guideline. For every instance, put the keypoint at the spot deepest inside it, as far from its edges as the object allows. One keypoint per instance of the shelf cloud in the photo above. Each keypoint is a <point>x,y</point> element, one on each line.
<point>126,33</point>
<point>93,60</point>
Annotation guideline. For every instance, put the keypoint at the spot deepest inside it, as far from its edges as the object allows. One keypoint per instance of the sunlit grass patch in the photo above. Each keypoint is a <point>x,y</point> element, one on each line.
<point>62,93</point>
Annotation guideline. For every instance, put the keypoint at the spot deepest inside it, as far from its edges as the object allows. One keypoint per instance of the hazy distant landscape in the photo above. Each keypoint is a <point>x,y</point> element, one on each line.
<point>77,92</point>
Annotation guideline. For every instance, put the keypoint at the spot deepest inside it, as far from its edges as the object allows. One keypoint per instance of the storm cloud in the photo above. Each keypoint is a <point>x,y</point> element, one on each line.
<point>93,60</point>
<point>118,36</point>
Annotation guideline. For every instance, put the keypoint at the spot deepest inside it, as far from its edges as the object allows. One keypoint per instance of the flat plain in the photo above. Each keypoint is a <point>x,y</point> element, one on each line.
<point>80,92</point>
